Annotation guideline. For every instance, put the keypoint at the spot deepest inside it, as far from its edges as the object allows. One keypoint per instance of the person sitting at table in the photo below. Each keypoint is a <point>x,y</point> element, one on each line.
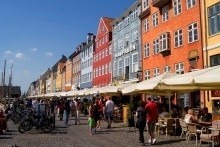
<point>164,113</point>
<point>190,117</point>
<point>206,117</point>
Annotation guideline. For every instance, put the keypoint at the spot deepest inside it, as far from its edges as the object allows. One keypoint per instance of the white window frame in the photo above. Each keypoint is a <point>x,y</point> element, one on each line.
<point>167,68</point>
<point>190,3</point>
<point>156,72</point>
<point>165,13</point>
<point>177,7</point>
<point>147,74</point>
<point>155,22</point>
<point>156,46</point>
<point>179,68</point>
<point>145,4</point>
<point>134,63</point>
<point>193,32</point>
<point>178,38</point>
<point>164,42</point>
<point>146,25</point>
<point>120,67</point>
<point>146,50</point>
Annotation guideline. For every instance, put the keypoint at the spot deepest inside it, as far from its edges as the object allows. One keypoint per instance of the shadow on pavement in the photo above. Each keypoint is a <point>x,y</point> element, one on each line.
<point>169,141</point>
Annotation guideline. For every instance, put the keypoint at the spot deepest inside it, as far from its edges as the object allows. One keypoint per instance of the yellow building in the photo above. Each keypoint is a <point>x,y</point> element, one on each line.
<point>211,46</point>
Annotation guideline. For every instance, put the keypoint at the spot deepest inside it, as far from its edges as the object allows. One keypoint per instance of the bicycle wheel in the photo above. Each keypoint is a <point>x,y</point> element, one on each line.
<point>46,125</point>
<point>25,126</point>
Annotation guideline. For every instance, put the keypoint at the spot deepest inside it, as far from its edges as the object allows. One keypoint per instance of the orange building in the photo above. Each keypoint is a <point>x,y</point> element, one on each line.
<point>171,39</point>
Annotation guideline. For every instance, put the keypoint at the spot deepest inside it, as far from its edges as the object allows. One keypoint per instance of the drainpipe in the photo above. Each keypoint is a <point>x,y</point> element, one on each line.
<point>206,44</point>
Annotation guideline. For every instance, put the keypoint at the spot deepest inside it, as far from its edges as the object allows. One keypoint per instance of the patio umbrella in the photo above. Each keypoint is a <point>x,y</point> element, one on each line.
<point>150,86</point>
<point>112,90</point>
<point>92,91</point>
<point>204,79</point>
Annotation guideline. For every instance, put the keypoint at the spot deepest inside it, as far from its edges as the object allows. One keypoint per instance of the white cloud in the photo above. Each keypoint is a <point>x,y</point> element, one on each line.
<point>8,52</point>
<point>49,54</point>
<point>19,56</point>
<point>34,49</point>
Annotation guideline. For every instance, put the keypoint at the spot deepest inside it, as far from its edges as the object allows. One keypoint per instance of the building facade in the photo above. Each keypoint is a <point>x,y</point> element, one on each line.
<point>86,55</point>
<point>172,40</point>
<point>126,57</point>
<point>211,46</point>
<point>76,70</point>
<point>102,57</point>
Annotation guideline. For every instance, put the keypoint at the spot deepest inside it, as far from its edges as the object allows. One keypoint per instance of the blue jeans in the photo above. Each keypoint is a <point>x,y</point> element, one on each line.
<point>66,117</point>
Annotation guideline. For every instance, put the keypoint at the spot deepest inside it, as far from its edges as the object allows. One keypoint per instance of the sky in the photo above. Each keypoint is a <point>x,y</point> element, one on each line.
<point>34,34</point>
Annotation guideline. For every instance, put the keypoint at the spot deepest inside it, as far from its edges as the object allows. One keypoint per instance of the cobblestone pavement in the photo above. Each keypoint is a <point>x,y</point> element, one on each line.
<point>79,136</point>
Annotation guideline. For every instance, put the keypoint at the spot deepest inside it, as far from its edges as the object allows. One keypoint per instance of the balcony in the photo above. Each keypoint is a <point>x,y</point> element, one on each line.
<point>160,3</point>
<point>144,13</point>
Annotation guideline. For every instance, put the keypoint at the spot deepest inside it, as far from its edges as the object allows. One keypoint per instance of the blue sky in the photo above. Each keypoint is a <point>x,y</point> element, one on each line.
<point>34,34</point>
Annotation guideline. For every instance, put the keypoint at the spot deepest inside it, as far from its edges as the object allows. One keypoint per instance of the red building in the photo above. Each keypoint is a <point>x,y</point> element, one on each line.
<point>171,38</point>
<point>102,56</point>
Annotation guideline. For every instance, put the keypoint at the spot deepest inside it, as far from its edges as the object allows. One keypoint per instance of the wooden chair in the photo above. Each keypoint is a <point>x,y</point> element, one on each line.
<point>192,131</point>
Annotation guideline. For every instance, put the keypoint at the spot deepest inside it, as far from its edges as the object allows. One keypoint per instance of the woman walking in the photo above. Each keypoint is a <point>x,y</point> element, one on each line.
<point>141,121</point>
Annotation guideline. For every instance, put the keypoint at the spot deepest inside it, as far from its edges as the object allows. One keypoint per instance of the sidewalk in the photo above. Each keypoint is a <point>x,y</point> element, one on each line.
<point>79,136</point>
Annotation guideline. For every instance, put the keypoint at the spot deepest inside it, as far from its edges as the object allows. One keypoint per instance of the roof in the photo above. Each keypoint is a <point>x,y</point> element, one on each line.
<point>107,21</point>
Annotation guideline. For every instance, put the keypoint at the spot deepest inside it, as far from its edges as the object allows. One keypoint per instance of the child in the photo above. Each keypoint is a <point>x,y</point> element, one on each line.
<point>91,123</point>
<point>91,120</point>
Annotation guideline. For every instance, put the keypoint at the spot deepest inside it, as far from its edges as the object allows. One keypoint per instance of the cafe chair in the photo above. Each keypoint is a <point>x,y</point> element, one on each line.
<point>192,131</point>
<point>213,136</point>
<point>183,126</point>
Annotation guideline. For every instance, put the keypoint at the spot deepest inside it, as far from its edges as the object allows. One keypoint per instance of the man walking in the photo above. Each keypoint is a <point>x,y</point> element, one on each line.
<point>152,118</point>
<point>109,111</point>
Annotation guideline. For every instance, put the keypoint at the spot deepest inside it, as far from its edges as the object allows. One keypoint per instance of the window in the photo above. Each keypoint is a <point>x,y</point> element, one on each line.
<point>126,60</point>
<point>215,60</point>
<point>97,72</point>
<point>146,25</point>
<point>120,43</point>
<point>156,46</point>
<point>126,21</point>
<point>120,69</point>
<point>134,34</point>
<point>110,67</point>
<point>164,41</point>
<point>103,70</point>
<point>155,19</point>
<point>100,55</point>
<point>179,68</point>
<point>106,68</point>
<point>214,19</point>
<point>177,7</point>
<point>110,50</point>
<point>167,68</point>
<point>126,39</point>
<point>147,74</point>
<point>193,32</point>
<point>146,50</point>
<point>145,4</point>
<point>156,72</point>
<point>106,51</point>
<point>190,3</point>
<point>103,54</point>
<point>114,72</point>
<point>135,62</point>
<point>106,38</point>
<point>178,38</point>
<point>100,70</point>
<point>165,13</point>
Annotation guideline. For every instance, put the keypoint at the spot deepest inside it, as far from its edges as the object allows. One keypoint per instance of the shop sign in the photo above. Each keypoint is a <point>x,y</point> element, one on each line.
<point>215,93</point>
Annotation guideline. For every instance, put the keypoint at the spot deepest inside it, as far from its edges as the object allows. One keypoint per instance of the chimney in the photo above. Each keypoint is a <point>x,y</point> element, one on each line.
<point>89,37</point>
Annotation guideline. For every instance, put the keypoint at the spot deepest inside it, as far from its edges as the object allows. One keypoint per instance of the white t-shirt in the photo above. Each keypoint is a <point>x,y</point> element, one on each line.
<point>109,106</point>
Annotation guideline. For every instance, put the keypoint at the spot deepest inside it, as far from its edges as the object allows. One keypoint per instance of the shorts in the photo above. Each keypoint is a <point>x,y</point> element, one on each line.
<point>151,126</point>
<point>109,115</point>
